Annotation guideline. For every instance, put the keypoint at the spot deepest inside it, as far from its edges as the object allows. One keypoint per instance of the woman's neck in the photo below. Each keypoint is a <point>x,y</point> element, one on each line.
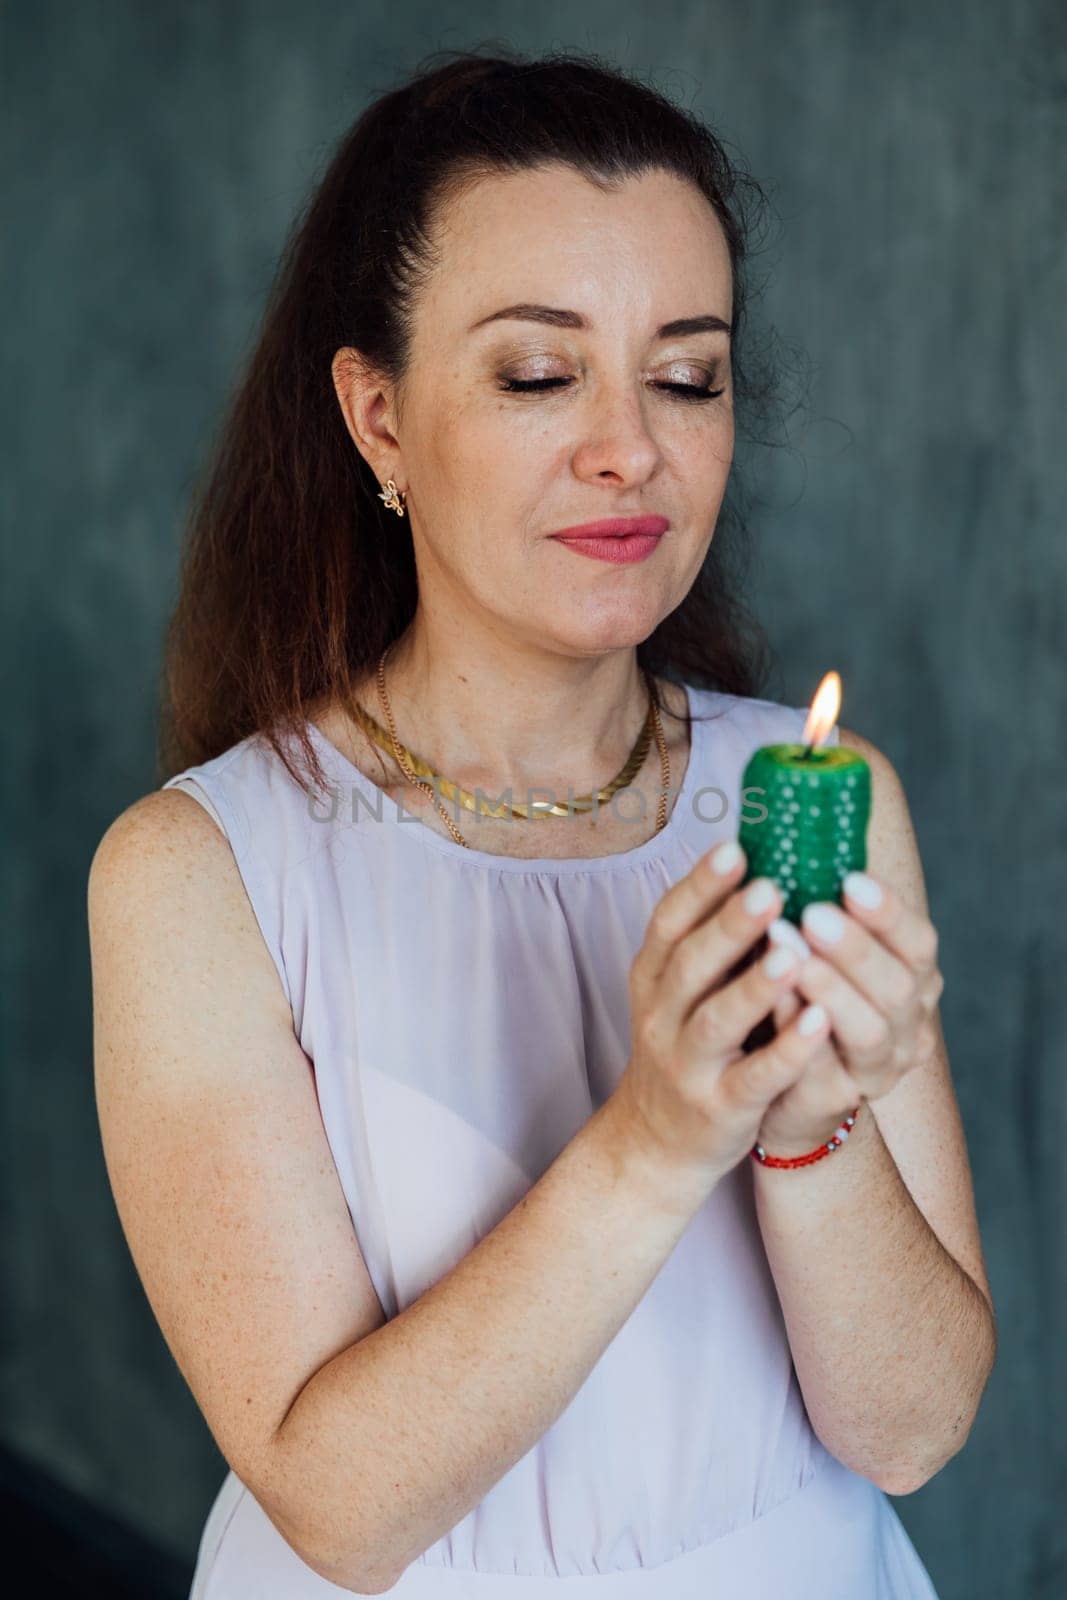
<point>610,830</point>
<point>507,722</point>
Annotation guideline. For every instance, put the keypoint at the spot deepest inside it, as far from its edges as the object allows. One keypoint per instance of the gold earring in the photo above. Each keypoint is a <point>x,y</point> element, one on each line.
<point>393,498</point>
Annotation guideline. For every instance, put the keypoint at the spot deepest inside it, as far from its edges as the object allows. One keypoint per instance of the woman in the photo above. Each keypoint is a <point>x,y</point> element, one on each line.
<point>429,1110</point>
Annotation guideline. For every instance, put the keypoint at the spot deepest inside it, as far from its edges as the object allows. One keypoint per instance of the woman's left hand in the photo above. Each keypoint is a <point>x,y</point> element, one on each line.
<point>880,984</point>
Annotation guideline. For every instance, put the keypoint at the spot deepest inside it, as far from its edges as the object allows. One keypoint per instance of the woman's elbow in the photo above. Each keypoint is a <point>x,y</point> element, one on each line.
<point>909,1480</point>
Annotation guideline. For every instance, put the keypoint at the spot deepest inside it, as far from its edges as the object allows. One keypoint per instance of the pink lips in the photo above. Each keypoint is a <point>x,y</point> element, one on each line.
<point>618,539</point>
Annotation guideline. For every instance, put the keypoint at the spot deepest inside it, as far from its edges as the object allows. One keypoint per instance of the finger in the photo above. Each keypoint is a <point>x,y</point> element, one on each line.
<point>864,1037</point>
<point>706,954</point>
<point>882,978</point>
<point>786,1007</point>
<point>824,1080</point>
<point>720,1023</point>
<point>686,903</point>
<point>910,935</point>
<point>754,1080</point>
<point>782,931</point>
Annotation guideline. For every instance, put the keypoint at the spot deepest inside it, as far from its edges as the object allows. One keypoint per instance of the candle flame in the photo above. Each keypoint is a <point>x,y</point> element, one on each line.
<point>825,705</point>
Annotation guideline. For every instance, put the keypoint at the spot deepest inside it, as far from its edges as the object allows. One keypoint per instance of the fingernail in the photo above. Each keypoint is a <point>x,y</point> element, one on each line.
<point>825,921</point>
<point>862,888</point>
<point>782,931</point>
<point>779,961</point>
<point>726,857</point>
<point>761,895</point>
<point>811,1019</point>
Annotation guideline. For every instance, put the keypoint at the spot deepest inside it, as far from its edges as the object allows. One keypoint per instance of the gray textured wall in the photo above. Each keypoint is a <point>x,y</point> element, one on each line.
<point>914,539</point>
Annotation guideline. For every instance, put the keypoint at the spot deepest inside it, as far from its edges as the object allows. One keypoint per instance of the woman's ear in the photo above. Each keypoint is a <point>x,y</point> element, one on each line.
<point>366,404</point>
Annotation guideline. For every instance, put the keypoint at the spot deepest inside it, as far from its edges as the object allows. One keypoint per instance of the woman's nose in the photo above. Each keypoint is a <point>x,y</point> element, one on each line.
<point>617,434</point>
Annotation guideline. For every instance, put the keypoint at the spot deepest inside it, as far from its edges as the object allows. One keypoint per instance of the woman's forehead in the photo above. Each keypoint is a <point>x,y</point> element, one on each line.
<point>555,241</point>
<point>557,203</point>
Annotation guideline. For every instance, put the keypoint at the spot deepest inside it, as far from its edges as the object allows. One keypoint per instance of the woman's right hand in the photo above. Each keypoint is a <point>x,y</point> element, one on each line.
<point>693,1098</point>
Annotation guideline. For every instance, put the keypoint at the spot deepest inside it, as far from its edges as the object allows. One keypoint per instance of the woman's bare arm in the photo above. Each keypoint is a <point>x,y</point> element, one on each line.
<point>911,1327</point>
<point>363,1440</point>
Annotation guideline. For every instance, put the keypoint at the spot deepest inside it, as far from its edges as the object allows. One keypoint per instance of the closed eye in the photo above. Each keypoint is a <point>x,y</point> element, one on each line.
<point>686,391</point>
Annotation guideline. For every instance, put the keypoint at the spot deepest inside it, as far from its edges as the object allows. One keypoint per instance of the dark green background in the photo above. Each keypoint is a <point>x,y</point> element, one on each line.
<point>913,537</point>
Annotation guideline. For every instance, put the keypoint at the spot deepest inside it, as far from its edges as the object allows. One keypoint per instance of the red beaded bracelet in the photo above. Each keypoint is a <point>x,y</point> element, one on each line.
<point>839,1137</point>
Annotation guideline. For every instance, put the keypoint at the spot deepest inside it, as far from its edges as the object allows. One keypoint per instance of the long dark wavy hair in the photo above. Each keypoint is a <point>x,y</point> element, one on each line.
<point>294,576</point>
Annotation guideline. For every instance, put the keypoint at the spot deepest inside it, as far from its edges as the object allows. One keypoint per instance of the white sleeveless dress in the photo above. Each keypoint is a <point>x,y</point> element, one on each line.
<point>465,1013</point>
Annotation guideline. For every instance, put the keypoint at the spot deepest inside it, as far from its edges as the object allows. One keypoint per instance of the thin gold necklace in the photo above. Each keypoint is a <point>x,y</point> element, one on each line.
<point>412,766</point>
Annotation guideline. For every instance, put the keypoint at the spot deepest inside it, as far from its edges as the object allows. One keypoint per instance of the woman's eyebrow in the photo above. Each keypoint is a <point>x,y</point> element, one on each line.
<point>558,318</point>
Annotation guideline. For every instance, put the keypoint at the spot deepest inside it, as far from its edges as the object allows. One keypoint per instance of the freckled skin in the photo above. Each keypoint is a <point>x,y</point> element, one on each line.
<point>519,664</point>
<point>611,831</point>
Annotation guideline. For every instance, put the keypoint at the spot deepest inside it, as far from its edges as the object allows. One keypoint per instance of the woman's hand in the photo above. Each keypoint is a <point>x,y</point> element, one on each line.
<point>880,984</point>
<point>691,1097</point>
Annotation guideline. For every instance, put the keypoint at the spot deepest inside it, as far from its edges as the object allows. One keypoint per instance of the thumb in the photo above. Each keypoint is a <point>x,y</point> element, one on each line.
<point>758,1078</point>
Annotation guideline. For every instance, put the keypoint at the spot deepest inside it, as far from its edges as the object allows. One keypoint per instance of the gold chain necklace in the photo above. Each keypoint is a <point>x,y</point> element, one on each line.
<point>412,765</point>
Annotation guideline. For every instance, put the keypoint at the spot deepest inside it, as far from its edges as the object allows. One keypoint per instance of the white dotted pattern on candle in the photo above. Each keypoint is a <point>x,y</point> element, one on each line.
<point>789,833</point>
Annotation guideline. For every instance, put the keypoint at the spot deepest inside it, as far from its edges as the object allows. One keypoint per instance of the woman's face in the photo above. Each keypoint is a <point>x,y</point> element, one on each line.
<point>491,472</point>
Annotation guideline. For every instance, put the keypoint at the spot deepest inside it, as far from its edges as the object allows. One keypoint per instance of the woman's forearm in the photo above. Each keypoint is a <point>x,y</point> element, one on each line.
<point>892,1340</point>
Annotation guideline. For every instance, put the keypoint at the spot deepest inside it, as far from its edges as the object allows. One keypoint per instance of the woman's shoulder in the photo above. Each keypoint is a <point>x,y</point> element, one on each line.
<point>159,812</point>
<point>251,754</point>
<point>249,772</point>
<point>162,818</point>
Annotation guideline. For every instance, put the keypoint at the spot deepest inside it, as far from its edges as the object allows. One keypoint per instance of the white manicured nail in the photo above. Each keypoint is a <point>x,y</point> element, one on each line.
<point>862,888</point>
<point>782,931</point>
<point>760,896</point>
<point>779,961</point>
<point>726,857</point>
<point>811,1019</point>
<point>824,920</point>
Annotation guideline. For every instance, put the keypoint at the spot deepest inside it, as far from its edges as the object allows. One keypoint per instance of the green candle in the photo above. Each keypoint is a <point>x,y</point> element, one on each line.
<point>810,806</point>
